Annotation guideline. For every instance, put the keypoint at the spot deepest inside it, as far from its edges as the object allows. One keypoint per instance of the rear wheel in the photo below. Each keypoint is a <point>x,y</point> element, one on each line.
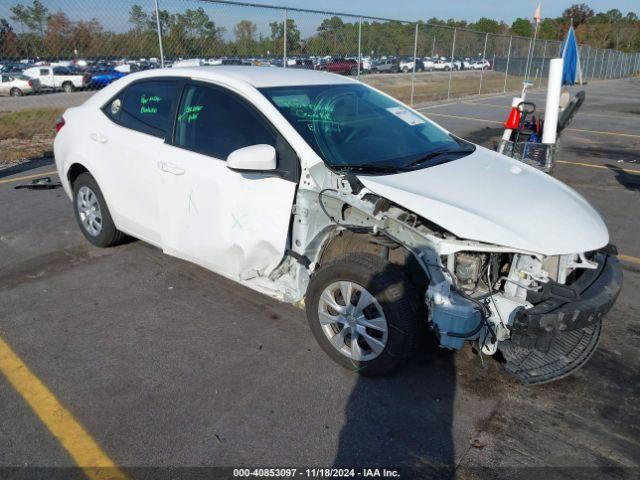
<point>15,92</point>
<point>364,313</point>
<point>92,213</point>
<point>68,87</point>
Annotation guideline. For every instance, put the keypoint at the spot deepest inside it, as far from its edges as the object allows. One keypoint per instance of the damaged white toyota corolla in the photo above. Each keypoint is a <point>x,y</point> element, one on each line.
<point>313,187</point>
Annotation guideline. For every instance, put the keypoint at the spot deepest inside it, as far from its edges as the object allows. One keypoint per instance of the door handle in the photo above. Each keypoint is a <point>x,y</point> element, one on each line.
<point>96,137</point>
<point>171,168</point>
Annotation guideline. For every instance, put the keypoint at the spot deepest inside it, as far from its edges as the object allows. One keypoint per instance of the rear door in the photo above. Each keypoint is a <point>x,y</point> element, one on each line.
<point>127,138</point>
<point>235,223</point>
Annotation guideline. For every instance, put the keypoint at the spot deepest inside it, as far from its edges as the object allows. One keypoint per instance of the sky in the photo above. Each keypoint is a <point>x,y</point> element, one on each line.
<point>114,14</point>
<point>470,10</point>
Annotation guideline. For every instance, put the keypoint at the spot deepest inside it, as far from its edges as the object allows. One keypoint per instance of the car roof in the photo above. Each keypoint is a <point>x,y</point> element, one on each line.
<point>256,76</point>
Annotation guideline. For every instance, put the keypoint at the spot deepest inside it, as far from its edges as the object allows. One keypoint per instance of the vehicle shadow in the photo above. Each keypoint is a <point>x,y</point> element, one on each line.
<point>404,419</point>
<point>630,181</point>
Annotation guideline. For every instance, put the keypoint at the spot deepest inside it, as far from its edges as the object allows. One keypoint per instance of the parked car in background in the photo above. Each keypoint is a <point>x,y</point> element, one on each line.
<point>17,85</point>
<point>59,78</point>
<point>344,66</point>
<point>388,65</point>
<point>428,63</point>
<point>443,64</point>
<point>482,64</point>
<point>406,65</point>
<point>12,68</point>
<point>101,77</point>
<point>302,63</point>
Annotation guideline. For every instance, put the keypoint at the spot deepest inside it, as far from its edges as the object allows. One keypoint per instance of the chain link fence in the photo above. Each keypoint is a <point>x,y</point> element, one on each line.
<point>55,53</point>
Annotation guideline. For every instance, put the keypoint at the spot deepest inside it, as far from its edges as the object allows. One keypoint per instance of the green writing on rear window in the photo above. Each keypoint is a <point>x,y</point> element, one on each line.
<point>190,113</point>
<point>148,104</point>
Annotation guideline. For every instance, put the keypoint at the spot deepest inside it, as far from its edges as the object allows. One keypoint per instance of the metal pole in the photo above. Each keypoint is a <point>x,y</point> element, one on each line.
<point>601,74</point>
<point>415,55</point>
<point>585,77</point>
<point>159,33</point>
<point>484,55</point>
<point>544,54</point>
<point>529,55</point>
<point>284,44</point>
<point>359,45</point>
<point>453,50</point>
<point>506,70</point>
<point>595,65</point>
<point>619,69</point>
<point>608,69</point>
<point>433,47</point>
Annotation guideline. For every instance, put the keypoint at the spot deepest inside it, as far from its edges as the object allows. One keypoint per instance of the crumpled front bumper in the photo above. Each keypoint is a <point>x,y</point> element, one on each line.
<point>569,308</point>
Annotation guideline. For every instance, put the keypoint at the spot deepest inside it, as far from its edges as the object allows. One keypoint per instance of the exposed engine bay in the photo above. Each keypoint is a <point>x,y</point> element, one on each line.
<point>476,292</point>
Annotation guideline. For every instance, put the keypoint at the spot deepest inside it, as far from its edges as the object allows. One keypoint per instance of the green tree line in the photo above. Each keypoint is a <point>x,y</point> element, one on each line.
<point>34,31</point>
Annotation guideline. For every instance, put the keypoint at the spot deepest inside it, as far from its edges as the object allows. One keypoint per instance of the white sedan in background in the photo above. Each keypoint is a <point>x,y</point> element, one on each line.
<point>311,186</point>
<point>18,85</point>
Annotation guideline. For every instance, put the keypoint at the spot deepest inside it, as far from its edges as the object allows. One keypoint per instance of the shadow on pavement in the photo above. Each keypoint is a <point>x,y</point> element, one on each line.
<point>630,181</point>
<point>403,420</point>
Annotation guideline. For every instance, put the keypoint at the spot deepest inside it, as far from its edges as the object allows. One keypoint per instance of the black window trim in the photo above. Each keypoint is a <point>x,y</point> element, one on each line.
<point>293,176</point>
<point>172,113</point>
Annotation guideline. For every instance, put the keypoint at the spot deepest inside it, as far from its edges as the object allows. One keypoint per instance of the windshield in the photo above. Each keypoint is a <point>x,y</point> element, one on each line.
<point>352,127</point>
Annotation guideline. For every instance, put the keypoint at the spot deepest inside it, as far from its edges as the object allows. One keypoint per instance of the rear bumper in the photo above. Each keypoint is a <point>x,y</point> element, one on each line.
<point>581,305</point>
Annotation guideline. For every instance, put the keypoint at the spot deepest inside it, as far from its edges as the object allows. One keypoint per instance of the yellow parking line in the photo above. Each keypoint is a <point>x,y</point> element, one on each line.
<point>579,130</point>
<point>28,177</point>
<point>590,165</point>
<point>599,132</point>
<point>446,115</point>
<point>74,438</point>
<point>629,258</point>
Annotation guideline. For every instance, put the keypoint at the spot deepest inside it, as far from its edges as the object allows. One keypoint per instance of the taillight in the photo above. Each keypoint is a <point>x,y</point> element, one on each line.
<point>59,123</point>
<point>30,82</point>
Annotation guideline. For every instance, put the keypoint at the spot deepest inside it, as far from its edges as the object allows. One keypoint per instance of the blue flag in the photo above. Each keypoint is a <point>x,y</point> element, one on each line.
<point>571,58</point>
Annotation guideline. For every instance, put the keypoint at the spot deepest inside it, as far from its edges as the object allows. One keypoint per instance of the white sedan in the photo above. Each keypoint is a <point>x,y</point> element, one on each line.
<point>18,85</point>
<point>314,187</point>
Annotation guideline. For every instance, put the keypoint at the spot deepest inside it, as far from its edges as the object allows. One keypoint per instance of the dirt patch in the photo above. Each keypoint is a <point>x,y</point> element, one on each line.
<point>435,86</point>
<point>27,134</point>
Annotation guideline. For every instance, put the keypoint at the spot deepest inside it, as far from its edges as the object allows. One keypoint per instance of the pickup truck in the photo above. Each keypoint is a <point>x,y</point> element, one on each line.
<point>58,78</point>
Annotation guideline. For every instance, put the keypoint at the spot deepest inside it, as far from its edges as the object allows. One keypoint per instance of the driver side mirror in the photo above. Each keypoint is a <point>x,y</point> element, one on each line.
<point>254,158</point>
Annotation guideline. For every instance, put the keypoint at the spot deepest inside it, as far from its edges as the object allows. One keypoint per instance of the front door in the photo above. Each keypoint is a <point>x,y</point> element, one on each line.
<point>231,222</point>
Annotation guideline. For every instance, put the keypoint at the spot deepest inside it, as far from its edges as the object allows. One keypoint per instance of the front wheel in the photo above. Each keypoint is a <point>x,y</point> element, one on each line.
<point>364,313</point>
<point>92,213</point>
<point>15,92</point>
<point>354,71</point>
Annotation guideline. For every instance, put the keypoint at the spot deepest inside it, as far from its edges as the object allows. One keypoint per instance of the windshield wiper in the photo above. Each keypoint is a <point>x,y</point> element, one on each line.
<point>368,169</point>
<point>436,154</point>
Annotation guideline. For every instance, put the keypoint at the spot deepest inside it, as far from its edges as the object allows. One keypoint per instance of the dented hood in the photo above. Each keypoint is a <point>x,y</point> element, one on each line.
<point>491,198</point>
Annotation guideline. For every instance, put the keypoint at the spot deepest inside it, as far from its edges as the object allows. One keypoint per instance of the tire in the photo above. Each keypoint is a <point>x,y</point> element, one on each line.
<point>392,302</point>
<point>405,70</point>
<point>354,71</point>
<point>86,191</point>
<point>68,87</point>
<point>15,92</point>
